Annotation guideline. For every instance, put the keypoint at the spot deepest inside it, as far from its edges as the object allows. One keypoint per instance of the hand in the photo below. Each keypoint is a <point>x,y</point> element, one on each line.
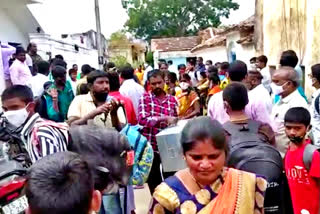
<point>114,106</point>
<point>54,94</point>
<point>172,120</point>
<point>102,109</point>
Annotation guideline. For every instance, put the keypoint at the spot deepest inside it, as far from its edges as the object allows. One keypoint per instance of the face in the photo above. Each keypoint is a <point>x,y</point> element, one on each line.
<point>296,130</point>
<point>260,64</point>
<point>21,57</point>
<point>73,76</point>
<point>281,81</point>
<point>163,67</point>
<point>157,85</point>
<point>182,70</point>
<point>199,61</point>
<point>34,48</point>
<point>75,67</point>
<point>205,162</point>
<point>315,82</point>
<point>61,79</point>
<point>101,85</point>
<point>251,82</point>
<point>16,103</point>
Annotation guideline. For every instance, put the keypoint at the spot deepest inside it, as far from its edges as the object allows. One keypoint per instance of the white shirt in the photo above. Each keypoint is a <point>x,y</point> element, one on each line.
<point>174,69</point>
<point>145,75</point>
<point>194,80</point>
<point>279,111</point>
<point>266,81</point>
<point>134,91</point>
<point>315,119</point>
<point>29,60</point>
<point>36,84</point>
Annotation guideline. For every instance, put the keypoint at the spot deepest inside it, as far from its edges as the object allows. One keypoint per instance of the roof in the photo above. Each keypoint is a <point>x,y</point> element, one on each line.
<point>245,25</point>
<point>174,44</point>
<point>213,42</point>
<point>246,40</point>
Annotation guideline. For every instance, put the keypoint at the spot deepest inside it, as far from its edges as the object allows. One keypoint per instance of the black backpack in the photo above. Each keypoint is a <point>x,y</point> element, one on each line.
<point>250,151</point>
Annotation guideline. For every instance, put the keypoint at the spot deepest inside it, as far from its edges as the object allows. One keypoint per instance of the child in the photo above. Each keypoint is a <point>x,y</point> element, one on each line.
<point>303,179</point>
<point>73,77</point>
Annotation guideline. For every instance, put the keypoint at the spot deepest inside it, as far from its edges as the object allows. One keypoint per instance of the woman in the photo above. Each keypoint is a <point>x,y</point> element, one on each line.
<point>189,105</point>
<point>214,85</point>
<point>206,186</point>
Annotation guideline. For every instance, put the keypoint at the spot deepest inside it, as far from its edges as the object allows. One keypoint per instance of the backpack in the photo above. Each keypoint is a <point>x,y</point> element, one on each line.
<point>249,151</point>
<point>308,154</point>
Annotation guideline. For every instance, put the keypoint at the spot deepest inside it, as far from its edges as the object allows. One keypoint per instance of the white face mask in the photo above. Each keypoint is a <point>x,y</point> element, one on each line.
<point>277,89</point>
<point>17,117</point>
<point>184,85</point>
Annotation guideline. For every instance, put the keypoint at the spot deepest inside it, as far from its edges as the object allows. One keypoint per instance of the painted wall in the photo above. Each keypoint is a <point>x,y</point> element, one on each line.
<point>216,54</point>
<point>178,57</point>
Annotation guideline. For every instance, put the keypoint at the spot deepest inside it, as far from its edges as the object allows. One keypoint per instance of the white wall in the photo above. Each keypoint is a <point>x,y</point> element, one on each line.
<point>216,54</point>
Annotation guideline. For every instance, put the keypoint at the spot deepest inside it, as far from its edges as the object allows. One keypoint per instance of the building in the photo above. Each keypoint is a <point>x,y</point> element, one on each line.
<point>176,49</point>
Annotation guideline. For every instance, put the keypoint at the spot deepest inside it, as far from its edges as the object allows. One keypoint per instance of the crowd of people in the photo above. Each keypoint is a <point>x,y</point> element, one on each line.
<point>93,132</point>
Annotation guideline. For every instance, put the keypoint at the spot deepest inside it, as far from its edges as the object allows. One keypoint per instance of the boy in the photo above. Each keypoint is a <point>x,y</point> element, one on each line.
<point>303,178</point>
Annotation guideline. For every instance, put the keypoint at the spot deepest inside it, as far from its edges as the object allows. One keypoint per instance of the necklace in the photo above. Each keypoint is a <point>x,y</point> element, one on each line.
<point>192,177</point>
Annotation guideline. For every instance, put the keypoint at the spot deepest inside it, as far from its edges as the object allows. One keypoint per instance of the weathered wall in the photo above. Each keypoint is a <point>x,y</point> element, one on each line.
<point>216,54</point>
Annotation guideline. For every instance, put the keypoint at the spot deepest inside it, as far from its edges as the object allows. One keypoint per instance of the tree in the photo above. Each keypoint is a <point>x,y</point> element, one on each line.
<point>150,18</point>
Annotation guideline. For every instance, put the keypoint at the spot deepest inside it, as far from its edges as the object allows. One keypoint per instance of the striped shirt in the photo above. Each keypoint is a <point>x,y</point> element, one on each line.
<point>42,138</point>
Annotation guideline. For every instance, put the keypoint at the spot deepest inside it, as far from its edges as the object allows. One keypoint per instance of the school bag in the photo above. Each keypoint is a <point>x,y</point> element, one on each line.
<point>308,154</point>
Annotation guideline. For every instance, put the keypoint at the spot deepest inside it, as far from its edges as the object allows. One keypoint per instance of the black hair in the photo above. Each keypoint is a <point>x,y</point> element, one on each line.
<point>209,61</point>
<point>86,69</point>
<point>172,77</point>
<point>289,58</point>
<point>185,76</point>
<point>126,72</point>
<point>84,89</point>
<point>213,69</point>
<point>60,183</point>
<point>59,62</point>
<point>72,71</point>
<point>74,65</point>
<point>256,74</point>
<point>238,71</point>
<point>236,95</point>
<point>102,147</point>
<point>263,59</point>
<point>155,73</point>
<point>214,78</point>
<point>200,58</point>
<point>224,66</point>
<point>253,59</point>
<point>203,74</point>
<point>110,65</point>
<point>170,62</point>
<point>20,50</point>
<point>298,115</point>
<point>114,80</point>
<point>192,62</point>
<point>95,75</point>
<point>162,61</point>
<point>181,66</point>
<point>58,71</point>
<point>59,56</point>
<point>202,128</point>
<point>315,69</point>
<point>43,67</point>
<point>18,91</point>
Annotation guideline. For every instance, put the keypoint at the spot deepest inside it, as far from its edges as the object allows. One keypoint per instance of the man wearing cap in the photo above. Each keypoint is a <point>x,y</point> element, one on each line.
<point>285,82</point>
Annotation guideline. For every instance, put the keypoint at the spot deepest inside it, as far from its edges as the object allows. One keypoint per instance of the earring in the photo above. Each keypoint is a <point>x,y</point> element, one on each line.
<point>184,158</point>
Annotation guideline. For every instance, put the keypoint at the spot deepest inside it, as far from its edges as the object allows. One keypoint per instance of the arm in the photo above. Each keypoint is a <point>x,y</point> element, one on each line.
<point>14,75</point>
<point>266,130</point>
<point>195,112</point>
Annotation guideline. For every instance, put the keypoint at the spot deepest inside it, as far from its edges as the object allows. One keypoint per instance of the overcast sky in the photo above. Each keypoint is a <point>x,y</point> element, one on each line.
<point>58,17</point>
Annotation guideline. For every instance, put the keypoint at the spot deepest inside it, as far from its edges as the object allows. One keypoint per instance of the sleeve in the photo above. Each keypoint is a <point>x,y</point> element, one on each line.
<point>261,186</point>
<point>157,208</point>
<point>260,113</point>
<point>145,118</point>
<point>315,165</point>
<point>74,108</point>
<point>52,113</point>
<point>267,131</point>
<point>121,116</point>
<point>211,107</point>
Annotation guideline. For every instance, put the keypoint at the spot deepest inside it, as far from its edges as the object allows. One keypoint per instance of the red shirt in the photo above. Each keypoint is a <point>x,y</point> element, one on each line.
<point>128,106</point>
<point>305,193</point>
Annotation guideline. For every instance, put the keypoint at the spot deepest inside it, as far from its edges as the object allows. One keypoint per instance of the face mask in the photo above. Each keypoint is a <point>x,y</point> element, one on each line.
<point>184,85</point>
<point>296,139</point>
<point>17,117</point>
<point>277,89</point>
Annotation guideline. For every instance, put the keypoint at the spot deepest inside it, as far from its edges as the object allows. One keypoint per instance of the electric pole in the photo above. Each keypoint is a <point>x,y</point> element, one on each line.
<point>99,42</point>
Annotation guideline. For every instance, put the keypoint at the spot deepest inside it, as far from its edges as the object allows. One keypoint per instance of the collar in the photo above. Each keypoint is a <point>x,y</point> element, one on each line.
<point>128,81</point>
<point>290,97</point>
<point>239,119</point>
<point>29,125</point>
<point>88,97</point>
<point>163,100</point>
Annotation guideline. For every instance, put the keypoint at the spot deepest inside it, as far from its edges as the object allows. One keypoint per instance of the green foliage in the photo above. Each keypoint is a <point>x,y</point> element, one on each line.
<point>150,18</point>
<point>119,61</point>
<point>149,58</point>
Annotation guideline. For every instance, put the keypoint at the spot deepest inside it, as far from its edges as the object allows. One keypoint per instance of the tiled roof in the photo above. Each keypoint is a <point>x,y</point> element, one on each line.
<point>213,42</point>
<point>174,44</point>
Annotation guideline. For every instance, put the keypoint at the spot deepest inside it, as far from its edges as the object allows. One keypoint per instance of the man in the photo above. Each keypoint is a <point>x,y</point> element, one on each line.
<point>284,83</point>
<point>59,96</point>
<point>96,107</point>
<point>75,67</point>
<point>73,80</point>
<point>173,68</point>
<point>192,72</point>
<point>262,65</point>
<point>315,105</point>
<point>253,62</point>
<point>200,66</point>
<point>6,52</point>
<point>85,70</point>
<point>130,88</point>
<point>40,137</point>
<point>19,71</point>
<point>256,110</point>
<point>125,100</point>
<point>257,91</point>
<point>208,64</point>
<point>157,110</point>
<point>32,52</point>
<point>62,183</point>
<point>37,82</point>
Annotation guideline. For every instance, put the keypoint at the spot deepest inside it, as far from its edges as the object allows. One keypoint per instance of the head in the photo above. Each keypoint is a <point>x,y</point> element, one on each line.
<point>289,58</point>
<point>284,81</point>
<point>20,54</point>
<point>185,81</point>
<point>164,67</point>
<point>114,81</point>
<point>59,75</point>
<point>253,60</point>
<point>59,56</point>
<point>170,62</point>
<point>18,104</point>
<point>109,66</point>
<point>182,68</point>
<point>208,64</point>
<point>315,76</point>
<point>205,149</point>
<point>73,74</point>
<point>191,65</point>
<point>238,71</point>
<point>200,61</point>
<point>262,62</point>
<point>172,78</point>
<point>85,70</point>
<point>156,81</point>
<point>254,79</point>
<point>61,183</point>
<point>224,66</point>
<point>58,62</point>
<point>235,97</point>
<point>75,67</point>
<point>98,83</point>
<point>202,76</point>
<point>32,48</point>
<point>102,148</point>
<point>297,124</point>
<point>212,69</point>
<point>214,79</point>
<point>126,72</point>
<point>43,67</point>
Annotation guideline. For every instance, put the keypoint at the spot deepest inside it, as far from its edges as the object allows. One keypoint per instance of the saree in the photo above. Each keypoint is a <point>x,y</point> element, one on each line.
<point>234,192</point>
<point>186,101</point>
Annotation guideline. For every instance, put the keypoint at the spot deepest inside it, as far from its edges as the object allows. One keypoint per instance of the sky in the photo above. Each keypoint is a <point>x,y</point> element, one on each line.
<point>58,17</point>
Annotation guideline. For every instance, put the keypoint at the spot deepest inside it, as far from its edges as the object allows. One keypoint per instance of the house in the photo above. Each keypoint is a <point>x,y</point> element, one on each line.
<point>228,43</point>
<point>176,49</point>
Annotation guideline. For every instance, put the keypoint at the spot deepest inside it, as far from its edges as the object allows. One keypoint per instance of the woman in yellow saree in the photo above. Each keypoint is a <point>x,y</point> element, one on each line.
<point>206,186</point>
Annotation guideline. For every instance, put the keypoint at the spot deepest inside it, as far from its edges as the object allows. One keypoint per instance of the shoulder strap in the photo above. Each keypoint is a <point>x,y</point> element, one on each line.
<point>308,154</point>
<point>316,104</point>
